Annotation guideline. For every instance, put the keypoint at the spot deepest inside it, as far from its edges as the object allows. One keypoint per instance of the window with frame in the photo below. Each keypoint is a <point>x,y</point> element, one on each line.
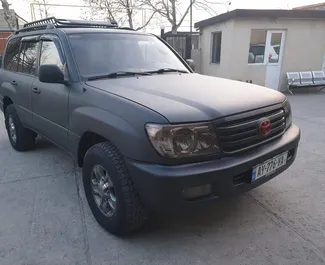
<point>28,57</point>
<point>257,44</point>
<point>11,58</point>
<point>51,53</point>
<point>216,47</point>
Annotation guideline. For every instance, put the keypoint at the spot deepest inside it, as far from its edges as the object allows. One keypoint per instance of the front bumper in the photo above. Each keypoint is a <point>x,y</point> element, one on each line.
<point>162,186</point>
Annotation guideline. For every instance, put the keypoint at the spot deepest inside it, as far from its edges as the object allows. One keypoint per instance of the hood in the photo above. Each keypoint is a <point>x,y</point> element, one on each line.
<point>190,97</point>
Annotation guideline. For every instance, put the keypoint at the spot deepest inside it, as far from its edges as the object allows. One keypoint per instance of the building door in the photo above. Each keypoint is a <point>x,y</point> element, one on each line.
<point>274,53</point>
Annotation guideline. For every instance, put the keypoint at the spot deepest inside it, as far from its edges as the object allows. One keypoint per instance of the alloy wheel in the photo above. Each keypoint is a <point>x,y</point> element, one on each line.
<point>12,129</point>
<point>103,190</point>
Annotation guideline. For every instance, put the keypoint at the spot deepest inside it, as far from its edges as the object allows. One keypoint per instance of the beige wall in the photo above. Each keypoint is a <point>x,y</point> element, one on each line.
<point>303,49</point>
<point>207,67</point>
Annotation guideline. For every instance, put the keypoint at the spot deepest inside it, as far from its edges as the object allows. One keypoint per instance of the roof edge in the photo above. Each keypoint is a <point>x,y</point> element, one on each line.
<point>262,13</point>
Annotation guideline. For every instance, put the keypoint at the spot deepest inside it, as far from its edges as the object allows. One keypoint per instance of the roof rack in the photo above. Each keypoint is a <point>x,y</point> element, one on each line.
<point>52,22</point>
<point>126,28</point>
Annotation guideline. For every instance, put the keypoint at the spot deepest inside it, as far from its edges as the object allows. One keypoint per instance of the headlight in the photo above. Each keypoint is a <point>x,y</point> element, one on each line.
<point>175,141</point>
<point>287,113</point>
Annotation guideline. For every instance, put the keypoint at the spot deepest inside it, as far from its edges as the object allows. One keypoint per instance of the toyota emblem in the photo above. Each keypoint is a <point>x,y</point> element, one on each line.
<point>264,128</point>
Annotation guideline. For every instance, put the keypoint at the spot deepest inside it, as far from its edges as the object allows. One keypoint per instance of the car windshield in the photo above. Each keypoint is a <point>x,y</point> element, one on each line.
<point>105,53</point>
<point>276,49</point>
<point>257,50</point>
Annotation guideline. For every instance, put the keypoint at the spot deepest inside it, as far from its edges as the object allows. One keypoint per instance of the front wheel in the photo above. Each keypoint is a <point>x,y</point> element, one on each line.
<point>21,138</point>
<point>110,192</point>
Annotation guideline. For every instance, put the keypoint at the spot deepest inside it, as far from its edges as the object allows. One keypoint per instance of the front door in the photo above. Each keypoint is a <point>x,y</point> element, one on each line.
<point>274,51</point>
<point>50,101</point>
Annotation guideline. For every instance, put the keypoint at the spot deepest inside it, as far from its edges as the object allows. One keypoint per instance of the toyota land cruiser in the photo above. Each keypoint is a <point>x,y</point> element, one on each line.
<point>148,132</point>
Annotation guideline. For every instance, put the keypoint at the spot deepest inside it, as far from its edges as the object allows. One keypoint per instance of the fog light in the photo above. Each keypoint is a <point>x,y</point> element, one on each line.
<point>290,154</point>
<point>196,192</point>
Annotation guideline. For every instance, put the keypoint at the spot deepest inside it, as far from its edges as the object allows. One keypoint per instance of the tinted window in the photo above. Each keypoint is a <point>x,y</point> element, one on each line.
<point>274,50</point>
<point>28,57</point>
<point>257,46</point>
<point>100,53</point>
<point>257,50</point>
<point>12,55</point>
<point>216,47</point>
<point>51,54</point>
<point>277,49</point>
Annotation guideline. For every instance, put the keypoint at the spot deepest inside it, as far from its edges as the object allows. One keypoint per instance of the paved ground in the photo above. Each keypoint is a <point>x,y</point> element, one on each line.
<point>44,218</point>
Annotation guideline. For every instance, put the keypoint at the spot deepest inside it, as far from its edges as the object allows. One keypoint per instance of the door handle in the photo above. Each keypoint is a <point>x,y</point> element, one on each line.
<point>14,83</point>
<point>36,90</point>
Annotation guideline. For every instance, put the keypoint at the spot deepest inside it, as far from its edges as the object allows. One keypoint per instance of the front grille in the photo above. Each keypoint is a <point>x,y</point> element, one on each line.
<point>241,132</point>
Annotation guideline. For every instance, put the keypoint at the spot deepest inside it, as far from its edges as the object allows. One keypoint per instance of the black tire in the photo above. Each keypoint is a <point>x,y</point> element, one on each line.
<point>130,214</point>
<point>25,138</point>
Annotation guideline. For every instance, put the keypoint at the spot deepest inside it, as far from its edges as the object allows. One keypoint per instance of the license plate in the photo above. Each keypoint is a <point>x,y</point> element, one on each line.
<point>270,166</point>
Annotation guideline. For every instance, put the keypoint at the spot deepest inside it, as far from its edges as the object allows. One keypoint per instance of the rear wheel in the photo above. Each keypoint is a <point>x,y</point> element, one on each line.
<point>21,138</point>
<point>110,192</point>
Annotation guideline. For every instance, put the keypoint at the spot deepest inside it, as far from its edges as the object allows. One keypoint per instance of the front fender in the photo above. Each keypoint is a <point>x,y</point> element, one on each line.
<point>130,139</point>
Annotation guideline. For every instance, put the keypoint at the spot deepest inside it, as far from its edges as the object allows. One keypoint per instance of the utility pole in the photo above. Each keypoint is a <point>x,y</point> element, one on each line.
<point>191,22</point>
<point>45,8</point>
<point>190,37</point>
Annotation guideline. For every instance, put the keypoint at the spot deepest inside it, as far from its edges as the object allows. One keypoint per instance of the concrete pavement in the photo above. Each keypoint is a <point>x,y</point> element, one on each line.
<point>45,219</point>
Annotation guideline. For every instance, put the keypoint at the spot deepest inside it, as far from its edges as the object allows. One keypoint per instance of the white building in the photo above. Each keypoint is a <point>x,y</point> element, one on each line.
<point>260,46</point>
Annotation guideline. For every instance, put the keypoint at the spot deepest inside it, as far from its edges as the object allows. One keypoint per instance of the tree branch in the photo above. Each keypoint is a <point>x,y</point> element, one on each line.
<point>167,11</point>
<point>7,15</point>
<point>155,9</point>
<point>186,12</point>
<point>146,24</point>
<point>205,7</point>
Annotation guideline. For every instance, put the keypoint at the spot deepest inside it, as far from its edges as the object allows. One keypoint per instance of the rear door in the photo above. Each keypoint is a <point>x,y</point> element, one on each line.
<point>50,101</point>
<point>20,65</point>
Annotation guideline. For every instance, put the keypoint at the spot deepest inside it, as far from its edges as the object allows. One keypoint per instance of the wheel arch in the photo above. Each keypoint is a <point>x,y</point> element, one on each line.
<point>87,140</point>
<point>90,126</point>
<point>6,102</point>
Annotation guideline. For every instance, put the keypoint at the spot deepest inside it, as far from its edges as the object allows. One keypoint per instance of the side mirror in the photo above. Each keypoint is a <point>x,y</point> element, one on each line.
<point>191,64</point>
<point>51,73</point>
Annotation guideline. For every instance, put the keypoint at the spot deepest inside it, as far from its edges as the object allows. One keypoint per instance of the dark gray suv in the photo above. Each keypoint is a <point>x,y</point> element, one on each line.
<point>149,133</point>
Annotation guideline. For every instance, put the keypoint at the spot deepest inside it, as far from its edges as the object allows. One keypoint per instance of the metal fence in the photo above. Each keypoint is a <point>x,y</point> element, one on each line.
<point>180,42</point>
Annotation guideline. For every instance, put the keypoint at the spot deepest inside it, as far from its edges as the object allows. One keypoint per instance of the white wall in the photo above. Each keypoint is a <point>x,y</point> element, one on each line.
<point>303,50</point>
<point>207,67</point>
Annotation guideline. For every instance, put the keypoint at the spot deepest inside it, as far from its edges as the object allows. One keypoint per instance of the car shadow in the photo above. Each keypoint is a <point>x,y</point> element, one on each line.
<point>195,222</point>
<point>42,143</point>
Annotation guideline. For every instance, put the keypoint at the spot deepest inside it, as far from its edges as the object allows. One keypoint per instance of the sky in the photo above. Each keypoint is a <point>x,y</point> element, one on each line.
<point>22,8</point>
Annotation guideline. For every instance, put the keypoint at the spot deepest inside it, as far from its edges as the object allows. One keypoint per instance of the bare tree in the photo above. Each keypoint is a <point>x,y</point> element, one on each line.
<point>169,9</point>
<point>103,9</point>
<point>42,8</point>
<point>120,11</point>
<point>8,15</point>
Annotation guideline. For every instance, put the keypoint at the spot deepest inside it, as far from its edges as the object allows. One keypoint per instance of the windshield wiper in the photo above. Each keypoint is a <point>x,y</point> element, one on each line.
<point>117,74</point>
<point>167,70</point>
